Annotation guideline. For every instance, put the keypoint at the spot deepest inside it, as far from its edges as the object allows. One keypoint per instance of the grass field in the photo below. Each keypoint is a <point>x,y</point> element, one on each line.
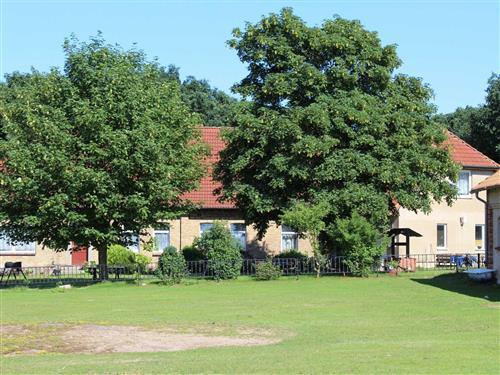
<point>415,323</point>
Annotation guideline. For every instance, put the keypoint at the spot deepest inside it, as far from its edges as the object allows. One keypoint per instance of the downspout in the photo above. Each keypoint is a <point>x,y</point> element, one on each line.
<point>486,242</point>
<point>180,234</point>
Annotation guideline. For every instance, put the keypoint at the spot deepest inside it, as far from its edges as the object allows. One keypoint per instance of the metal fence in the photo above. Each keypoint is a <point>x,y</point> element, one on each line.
<point>61,274</point>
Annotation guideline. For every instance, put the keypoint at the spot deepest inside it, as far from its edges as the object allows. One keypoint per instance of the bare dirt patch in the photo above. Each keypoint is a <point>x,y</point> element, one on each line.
<point>92,338</point>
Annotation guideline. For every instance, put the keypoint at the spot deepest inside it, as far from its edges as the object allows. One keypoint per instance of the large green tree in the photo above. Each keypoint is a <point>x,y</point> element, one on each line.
<point>212,105</point>
<point>326,121</point>
<point>96,152</point>
<point>479,126</point>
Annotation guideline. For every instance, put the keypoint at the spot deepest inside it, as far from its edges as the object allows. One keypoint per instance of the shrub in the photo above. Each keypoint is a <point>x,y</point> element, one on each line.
<point>359,242</point>
<point>291,254</point>
<point>170,249</point>
<point>192,253</point>
<point>222,252</point>
<point>119,255</point>
<point>142,262</point>
<point>267,271</point>
<point>171,266</point>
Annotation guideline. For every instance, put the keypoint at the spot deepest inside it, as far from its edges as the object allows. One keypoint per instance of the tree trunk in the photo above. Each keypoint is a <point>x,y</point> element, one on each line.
<point>103,262</point>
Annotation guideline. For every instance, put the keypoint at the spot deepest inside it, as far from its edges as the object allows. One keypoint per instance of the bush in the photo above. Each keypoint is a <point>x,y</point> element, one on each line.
<point>267,271</point>
<point>192,253</point>
<point>170,249</point>
<point>171,266</point>
<point>119,255</point>
<point>142,262</point>
<point>359,242</point>
<point>222,252</point>
<point>291,254</point>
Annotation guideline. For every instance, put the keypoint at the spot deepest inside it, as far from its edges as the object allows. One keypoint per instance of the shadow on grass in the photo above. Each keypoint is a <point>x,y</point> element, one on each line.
<point>460,283</point>
<point>56,283</point>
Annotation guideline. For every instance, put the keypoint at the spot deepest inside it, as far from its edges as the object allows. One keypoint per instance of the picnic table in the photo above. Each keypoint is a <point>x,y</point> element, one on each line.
<point>11,269</point>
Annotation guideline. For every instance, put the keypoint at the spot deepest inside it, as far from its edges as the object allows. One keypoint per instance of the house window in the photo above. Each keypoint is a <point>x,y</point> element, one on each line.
<point>441,236</point>
<point>464,184</point>
<point>289,238</point>
<point>479,236</point>
<point>133,242</point>
<point>162,238</point>
<point>204,227</point>
<point>7,246</point>
<point>239,232</point>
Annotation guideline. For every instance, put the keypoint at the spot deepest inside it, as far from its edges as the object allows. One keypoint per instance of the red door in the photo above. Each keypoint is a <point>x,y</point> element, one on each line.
<point>79,255</point>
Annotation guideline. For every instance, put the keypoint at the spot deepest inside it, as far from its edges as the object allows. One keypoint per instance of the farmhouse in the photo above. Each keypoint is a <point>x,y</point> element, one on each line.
<point>456,229</point>
<point>491,186</point>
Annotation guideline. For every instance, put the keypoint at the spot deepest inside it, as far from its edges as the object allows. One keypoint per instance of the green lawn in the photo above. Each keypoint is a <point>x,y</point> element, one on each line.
<point>419,323</point>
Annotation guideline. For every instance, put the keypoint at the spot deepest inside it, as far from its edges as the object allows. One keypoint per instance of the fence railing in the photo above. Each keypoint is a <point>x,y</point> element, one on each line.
<point>66,274</point>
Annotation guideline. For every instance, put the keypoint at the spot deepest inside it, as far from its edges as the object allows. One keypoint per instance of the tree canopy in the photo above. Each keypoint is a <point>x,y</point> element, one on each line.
<point>212,105</point>
<point>479,126</point>
<point>96,152</point>
<point>326,121</point>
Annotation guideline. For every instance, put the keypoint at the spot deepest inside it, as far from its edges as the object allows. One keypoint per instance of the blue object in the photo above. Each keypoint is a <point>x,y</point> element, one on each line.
<point>463,260</point>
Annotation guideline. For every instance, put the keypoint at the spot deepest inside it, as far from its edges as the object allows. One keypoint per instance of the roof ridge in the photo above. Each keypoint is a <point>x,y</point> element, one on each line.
<point>473,148</point>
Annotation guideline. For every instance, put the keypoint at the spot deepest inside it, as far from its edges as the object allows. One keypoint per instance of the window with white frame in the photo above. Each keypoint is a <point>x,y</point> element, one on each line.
<point>479,236</point>
<point>463,184</point>
<point>239,232</point>
<point>289,238</point>
<point>133,242</point>
<point>204,227</point>
<point>441,236</point>
<point>8,246</point>
<point>162,237</point>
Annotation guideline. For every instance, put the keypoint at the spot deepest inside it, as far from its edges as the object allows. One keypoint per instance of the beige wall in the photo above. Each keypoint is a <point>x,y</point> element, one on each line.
<point>41,257</point>
<point>460,237</point>
<point>494,203</point>
<point>184,230</point>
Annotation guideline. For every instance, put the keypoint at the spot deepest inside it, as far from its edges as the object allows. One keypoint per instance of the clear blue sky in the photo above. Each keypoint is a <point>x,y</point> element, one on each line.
<point>452,45</point>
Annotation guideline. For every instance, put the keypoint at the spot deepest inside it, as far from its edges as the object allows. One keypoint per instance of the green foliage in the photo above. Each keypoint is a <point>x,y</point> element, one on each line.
<point>393,264</point>
<point>291,254</point>
<point>192,253</point>
<point>102,149</point>
<point>327,119</point>
<point>222,251</point>
<point>267,271</point>
<point>212,105</point>
<point>172,266</point>
<point>479,126</point>
<point>308,219</point>
<point>170,249</point>
<point>119,255</point>
<point>359,242</point>
<point>142,261</point>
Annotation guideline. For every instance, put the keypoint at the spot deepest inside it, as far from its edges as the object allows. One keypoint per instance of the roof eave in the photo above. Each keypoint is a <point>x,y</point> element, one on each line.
<point>481,167</point>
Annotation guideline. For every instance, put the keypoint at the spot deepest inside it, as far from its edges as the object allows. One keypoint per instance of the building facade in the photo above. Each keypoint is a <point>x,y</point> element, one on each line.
<point>459,228</point>
<point>491,186</point>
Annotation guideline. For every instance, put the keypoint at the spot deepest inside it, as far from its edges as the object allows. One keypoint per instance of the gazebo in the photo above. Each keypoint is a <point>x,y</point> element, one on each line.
<point>408,233</point>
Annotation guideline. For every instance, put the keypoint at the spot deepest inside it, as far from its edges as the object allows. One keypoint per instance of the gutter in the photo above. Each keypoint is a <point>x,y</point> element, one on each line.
<point>486,242</point>
<point>481,168</point>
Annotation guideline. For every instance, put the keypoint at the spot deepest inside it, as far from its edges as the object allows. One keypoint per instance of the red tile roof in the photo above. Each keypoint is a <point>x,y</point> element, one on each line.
<point>466,155</point>
<point>204,195</point>
<point>461,152</point>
